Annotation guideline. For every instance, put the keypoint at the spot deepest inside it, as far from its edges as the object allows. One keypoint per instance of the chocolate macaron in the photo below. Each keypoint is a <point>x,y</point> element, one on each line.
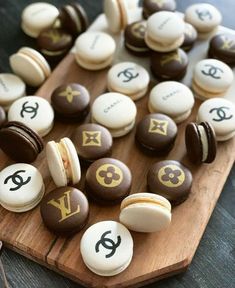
<point>108,181</point>
<point>3,117</point>
<point>171,180</point>
<point>65,210</point>
<point>71,101</point>
<point>190,37</point>
<point>152,6</point>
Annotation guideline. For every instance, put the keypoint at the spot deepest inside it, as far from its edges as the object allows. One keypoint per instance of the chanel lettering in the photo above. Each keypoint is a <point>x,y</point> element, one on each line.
<point>163,24</point>
<point>94,42</point>
<point>3,85</point>
<point>165,97</point>
<point>111,106</point>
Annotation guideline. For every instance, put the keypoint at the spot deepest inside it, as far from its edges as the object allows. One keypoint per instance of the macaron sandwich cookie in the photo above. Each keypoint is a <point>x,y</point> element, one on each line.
<point>190,37</point>
<point>21,187</point>
<point>30,65</point>
<point>63,162</point>
<point>128,78</point>
<point>156,133</point>
<point>200,142</point>
<point>108,181</point>
<point>114,111</point>
<point>90,51</point>
<point>134,38</point>
<point>65,210</point>
<point>116,12</point>
<point>71,101</point>
<point>173,99</point>
<point>100,259</point>
<point>152,6</point>
<point>19,142</point>
<point>33,111</point>
<point>220,113</point>
<point>92,142</point>
<point>145,212</point>
<point>222,47</point>
<point>3,117</point>
<point>37,17</point>
<point>171,180</point>
<point>211,78</point>
<point>161,35</point>
<point>204,17</point>
<point>11,88</point>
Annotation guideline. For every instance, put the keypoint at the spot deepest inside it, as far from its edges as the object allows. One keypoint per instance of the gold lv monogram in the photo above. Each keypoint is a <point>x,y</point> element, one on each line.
<point>91,138</point>
<point>170,58</point>
<point>54,35</point>
<point>69,93</point>
<point>139,29</point>
<point>64,205</point>
<point>158,126</point>
<point>160,3</point>
<point>228,44</point>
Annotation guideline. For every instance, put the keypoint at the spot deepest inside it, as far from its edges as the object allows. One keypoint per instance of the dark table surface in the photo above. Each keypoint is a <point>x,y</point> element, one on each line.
<point>213,264</point>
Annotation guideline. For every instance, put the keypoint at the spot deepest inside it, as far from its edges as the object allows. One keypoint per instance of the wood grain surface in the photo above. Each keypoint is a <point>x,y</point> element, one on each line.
<point>217,250</point>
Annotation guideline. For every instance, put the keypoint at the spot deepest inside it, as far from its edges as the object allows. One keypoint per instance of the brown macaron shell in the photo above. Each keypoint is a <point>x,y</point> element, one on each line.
<point>108,181</point>
<point>92,142</point>
<point>65,210</point>
<point>171,180</point>
<point>3,117</point>
<point>150,7</point>
<point>190,37</point>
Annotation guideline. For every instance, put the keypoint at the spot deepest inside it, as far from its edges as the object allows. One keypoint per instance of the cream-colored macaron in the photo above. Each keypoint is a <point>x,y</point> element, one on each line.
<point>94,50</point>
<point>145,212</point>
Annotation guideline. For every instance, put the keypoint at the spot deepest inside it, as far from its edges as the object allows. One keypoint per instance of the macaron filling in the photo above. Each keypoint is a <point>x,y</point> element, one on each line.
<point>204,141</point>
<point>65,159</point>
<point>138,201</point>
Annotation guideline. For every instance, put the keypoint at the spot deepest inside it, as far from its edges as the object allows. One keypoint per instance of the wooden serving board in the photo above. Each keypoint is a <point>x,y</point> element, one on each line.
<point>156,255</point>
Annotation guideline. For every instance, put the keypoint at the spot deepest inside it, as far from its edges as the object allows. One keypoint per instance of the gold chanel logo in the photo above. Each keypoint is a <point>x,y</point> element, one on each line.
<point>138,29</point>
<point>228,44</point>
<point>64,205</point>
<point>158,126</point>
<point>160,3</point>
<point>91,138</point>
<point>109,175</point>
<point>171,176</point>
<point>170,57</point>
<point>69,93</point>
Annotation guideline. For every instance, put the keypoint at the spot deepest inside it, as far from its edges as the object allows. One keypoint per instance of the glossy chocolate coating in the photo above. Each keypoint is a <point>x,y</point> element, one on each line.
<point>108,181</point>
<point>169,66</point>
<point>156,132</point>
<point>92,141</point>
<point>190,37</point>
<point>65,210</point>
<point>2,116</point>
<point>152,6</point>
<point>171,180</point>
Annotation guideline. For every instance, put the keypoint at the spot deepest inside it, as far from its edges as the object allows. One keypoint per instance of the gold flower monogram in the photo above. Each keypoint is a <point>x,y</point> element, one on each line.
<point>171,176</point>
<point>69,93</point>
<point>109,175</point>
<point>158,126</point>
<point>91,138</point>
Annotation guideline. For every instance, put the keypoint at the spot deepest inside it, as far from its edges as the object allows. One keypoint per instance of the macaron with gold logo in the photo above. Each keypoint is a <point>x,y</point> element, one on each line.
<point>65,210</point>
<point>190,37</point>
<point>171,180</point>
<point>108,181</point>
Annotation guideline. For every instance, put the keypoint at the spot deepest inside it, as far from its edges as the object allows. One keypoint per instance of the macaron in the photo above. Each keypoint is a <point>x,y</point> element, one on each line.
<point>171,180</point>
<point>128,78</point>
<point>220,113</point>
<point>152,6</point>
<point>90,51</point>
<point>3,117</point>
<point>161,35</point>
<point>204,17</point>
<point>54,43</point>
<point>173,99</point>
<point>169,66</point>
<point>211,78</point>
<point>108,181</point>
<point>11,88</point>
<point>107,248</point>
<point>33,111</point>
<point>116,12</point>
<point>114,111</point>
<point>200,142</point>
<point>92,142</point>
<point>222,47</point>
<point>21,187</point>
<point>37,17</point>
<point>74,18</point>
<point>145,212</point>
<point>65,210</point>
<point>71,101</point>
<point>20,143</point>
<point>63,162</point>
<point>30,65</point>
<point>134,38</point>
<point>190,37</point>
<point>156,133</point>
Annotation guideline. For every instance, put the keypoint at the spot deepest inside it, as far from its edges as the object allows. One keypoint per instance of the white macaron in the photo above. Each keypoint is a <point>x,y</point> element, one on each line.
<point>11,88</point>
<point>37,17</point>
<point>21,187</point>
<point>173,99</point>
<point>114,111</point>
<point>145,212</point>
<point>128,78</point>
<point>94,50</point>
<point>107,248</point>
<point>31,66</point>
<point>220,113</point>
<point>33,111</point>
<point>63,162</point>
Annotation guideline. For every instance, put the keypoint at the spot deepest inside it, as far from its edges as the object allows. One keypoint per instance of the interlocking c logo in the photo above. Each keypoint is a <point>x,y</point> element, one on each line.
<point>212,71</point>
<point>221,113</point>
<point>29,109</point>
<point>128,74</point>
<point>108,243</point>
<point>17,180</point>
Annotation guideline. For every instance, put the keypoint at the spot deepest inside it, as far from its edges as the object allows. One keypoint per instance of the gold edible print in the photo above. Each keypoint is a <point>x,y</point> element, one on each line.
<point>69,94</point>
<point>91,138</point>
<point>171,176</point>
<point>109,175</point>
<point>158,126</point>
